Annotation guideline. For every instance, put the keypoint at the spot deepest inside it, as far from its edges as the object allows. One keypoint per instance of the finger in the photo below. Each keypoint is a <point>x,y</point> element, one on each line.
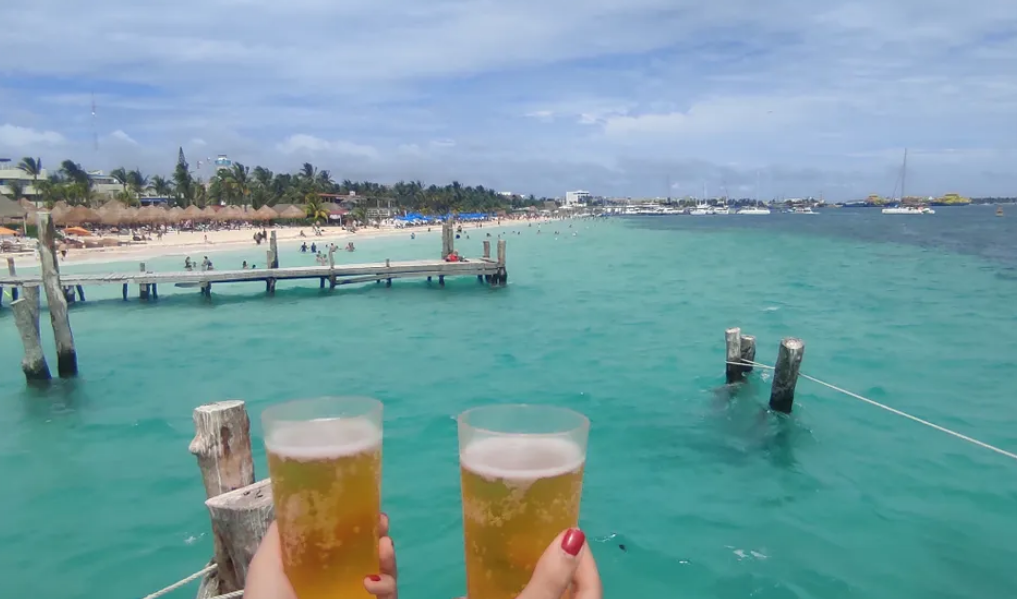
<point>387,558</point>
<point>383,525</point>
<point>586,582</point>
<point>381,586</point>
<point>556,568</point>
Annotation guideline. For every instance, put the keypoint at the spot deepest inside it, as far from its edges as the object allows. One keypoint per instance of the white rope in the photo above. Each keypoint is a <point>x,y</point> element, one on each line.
<point>178,584</point>
<point>230,595</point>
<point>892,411</point>
<point>914,418</point>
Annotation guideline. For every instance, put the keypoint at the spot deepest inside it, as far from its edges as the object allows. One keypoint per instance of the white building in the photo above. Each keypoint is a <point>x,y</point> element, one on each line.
<point>576,197</point>
<point>10,172</point>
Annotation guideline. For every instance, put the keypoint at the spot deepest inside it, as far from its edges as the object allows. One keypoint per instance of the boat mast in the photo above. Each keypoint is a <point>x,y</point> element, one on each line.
<point>903,176</point>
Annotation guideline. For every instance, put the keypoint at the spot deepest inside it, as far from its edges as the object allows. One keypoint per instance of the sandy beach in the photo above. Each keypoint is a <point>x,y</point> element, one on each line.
<point>182,243</point>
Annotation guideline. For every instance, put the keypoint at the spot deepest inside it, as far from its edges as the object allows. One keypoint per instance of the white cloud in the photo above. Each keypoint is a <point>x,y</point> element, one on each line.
<point>302,143</point>
<point>831,90</point>
<point>120,136</point>
<point>15,137</point>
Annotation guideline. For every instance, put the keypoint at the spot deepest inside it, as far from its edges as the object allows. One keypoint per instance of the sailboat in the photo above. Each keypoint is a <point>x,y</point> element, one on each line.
<point>901,208</point>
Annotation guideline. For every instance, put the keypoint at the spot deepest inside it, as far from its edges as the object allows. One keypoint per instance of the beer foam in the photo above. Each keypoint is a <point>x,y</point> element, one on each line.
<point>521,458</point>
<point>322,439</point>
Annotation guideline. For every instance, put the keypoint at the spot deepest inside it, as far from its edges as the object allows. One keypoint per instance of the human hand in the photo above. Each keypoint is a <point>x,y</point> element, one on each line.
<point>567,562</point>
<point>266,578</point>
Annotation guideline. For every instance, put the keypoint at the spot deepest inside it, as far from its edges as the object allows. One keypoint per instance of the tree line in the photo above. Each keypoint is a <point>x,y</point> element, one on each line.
<point>259,186</point>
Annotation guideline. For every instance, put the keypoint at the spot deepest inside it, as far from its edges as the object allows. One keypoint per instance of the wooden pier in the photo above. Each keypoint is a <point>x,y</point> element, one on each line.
<point>64,289</point>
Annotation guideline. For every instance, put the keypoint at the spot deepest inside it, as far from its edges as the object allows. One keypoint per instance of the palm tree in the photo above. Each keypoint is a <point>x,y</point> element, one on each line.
<point>241,181</point>
<point>120,174</point>
<point>161,186</point>
<point>73,171</point>
<point>16,189</point>
<point>137,181</point>
<point>314,207</point>
<point>32,166</point>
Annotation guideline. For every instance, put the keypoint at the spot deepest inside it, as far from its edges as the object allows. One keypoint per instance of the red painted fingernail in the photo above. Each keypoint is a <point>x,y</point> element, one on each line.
<point>573,541</point>
<point>374,578</point>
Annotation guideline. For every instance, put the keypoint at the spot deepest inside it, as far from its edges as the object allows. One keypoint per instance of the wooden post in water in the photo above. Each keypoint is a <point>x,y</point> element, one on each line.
<point>487,249</point>
<point>785,375</point>
<point>67,357</point>
<point>26,317</point>
<point>331,265</point>
<point>13,272</point>
<point>275,249</point>
<point>142,287</point>
<point>748,353</point>
<point>446,238</point>
<point>222,444</point>
<point>240,519</point>
<point>502,273</point>
<point>733,355</point>
<point>125,292</point>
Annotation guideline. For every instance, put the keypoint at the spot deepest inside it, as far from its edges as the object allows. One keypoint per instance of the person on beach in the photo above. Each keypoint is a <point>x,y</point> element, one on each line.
<point>567,562</point>
<point>245,265</point>
<point>188,265</point>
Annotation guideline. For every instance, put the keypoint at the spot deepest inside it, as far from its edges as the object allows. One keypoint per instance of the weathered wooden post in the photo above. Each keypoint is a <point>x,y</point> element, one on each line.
<point>733,355</point>
<point>125,292</point>
<point>785,375</point>
<point>275,249</point>
<point>487,249</point>
<point>67,357</point>
<point>240,518</point>
<point>270,285</point>
<point>26,317</point>
<point>142,287</point>
<point>446,245</point>
<point>748,353</point>
<point>222,444</point>
<point>331,265</point>
<point>13,272</point>
<point>502,273</point>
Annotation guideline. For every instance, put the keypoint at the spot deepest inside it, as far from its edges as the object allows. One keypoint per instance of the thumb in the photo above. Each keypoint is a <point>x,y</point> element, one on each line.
<point>556,568</point>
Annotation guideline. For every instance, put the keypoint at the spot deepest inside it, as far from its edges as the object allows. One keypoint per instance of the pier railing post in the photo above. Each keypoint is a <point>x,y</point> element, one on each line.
<point>13,272</point>
<point>733,355</point>
<point>67,358</point>
<point>26,317</point>
<point>446,238</point>
<point>240,518</point>
<point>487,249</point>
<point>142,287</point>
<point>785,375</point>
<point>222,444</point>
<point>502,276</point>
<point>272,243</point>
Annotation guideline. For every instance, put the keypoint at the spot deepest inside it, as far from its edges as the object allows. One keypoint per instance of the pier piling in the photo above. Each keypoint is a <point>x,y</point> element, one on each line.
<point>273,244</point>
<point>733,355</point>
<point>142,287</point>
<point>487,249</point>
<point>748,353</point>
<point>222,445</point>
<point>26,317</point>
<point>785,374</point>
<point>502,276</point>
<point>13,272</point>
<point>67,359</point>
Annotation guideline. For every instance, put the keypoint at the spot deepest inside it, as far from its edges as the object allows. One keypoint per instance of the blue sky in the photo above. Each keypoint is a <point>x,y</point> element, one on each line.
<point>541,96</point>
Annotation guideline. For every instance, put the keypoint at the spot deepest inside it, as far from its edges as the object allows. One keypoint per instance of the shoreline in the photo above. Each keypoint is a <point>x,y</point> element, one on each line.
<point>186,243</point>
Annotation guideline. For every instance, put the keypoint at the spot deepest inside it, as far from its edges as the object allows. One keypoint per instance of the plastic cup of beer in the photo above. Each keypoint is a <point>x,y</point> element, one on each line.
<point>522,479</point>
<point>324,457</point>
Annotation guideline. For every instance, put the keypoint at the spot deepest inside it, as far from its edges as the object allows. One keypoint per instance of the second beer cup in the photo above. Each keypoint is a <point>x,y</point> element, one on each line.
<point>522,480</point>
<point>324,457</point>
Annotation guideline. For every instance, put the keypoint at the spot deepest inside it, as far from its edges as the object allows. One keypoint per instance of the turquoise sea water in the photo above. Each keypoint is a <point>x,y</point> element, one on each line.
<point>711,497</point>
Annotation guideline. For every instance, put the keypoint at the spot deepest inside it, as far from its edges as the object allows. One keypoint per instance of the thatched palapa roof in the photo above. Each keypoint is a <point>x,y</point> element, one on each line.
<point>192,212</point>
<point>232,213</point>
<point>293,212</point>
<point>78,215</point>
<point>176,214</point>
<point>265,213</point>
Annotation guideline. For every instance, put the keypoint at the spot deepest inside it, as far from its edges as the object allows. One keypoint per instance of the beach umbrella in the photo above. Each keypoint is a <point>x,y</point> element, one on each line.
<point>129,216</point>
<point>210,213</point>
<point>293,212</point>
<point>176,214</point>
<point>192,212</point>
<point>265,213</point>
<point>77,231</point>
<point>4,231</point>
